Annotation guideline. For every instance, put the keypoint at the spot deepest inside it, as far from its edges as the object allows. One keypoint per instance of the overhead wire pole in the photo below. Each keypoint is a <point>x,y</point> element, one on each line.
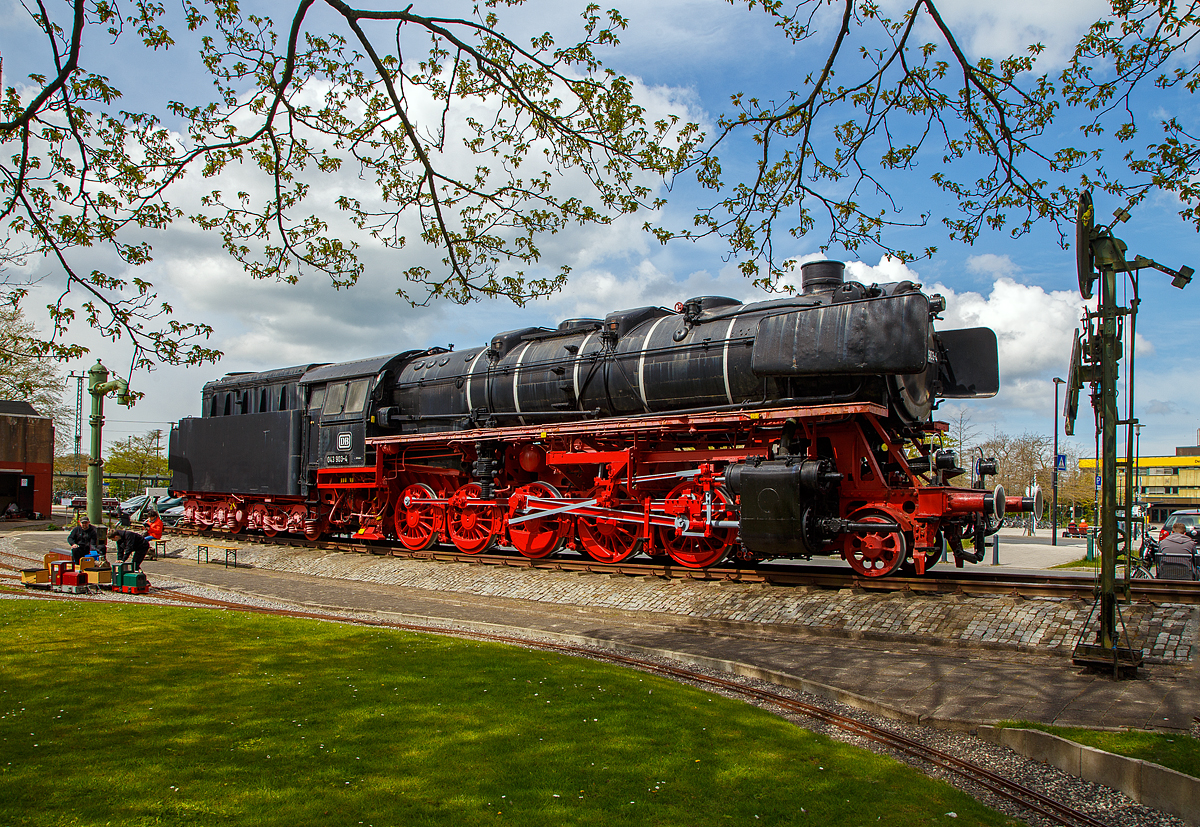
<point>79,378</point>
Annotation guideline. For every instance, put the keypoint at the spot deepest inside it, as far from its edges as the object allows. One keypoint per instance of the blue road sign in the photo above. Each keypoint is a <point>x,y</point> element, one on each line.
<point>1060,462</point>
<point>1097,480</point>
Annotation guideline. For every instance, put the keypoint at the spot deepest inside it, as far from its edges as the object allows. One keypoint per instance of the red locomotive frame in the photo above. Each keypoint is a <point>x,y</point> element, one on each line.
<point>653,484</point>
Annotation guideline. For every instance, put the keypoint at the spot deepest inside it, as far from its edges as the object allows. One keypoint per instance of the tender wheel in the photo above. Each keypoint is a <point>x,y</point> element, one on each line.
<point>256,517</point>
<point>235,520</point>
<point>297,516</point>
<point>202,515</point>
<point>313,529</point>
<point>418,521</point>
<point>540,537</point>
<point>607,540</point>
<point>471,523</point>
<point>686,502</point>
<point>879,553</point>
<point>261,517</point>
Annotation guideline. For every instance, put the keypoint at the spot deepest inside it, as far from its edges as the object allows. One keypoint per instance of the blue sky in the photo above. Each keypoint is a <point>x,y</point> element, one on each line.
<point>689,57</point>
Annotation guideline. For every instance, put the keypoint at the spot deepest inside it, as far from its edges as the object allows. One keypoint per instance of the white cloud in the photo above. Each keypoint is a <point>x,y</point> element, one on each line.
<point>1034,327</point>
<point>990,264</point>
<point>998,30</point>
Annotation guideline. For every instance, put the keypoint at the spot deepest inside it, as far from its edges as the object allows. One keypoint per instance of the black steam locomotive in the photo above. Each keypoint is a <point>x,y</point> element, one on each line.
<point>789,427</point>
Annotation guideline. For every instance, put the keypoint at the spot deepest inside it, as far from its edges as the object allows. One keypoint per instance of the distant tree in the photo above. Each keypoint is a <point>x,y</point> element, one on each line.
<point>138,455</point>
<point>71,463</point>
<point>963,433</point>
<point>1022,460</point>
<point>27,375</point>
<point>447,120</point>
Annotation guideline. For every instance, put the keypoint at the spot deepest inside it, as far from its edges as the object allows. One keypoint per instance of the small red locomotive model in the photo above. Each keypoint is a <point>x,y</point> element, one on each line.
<point>787,428</point>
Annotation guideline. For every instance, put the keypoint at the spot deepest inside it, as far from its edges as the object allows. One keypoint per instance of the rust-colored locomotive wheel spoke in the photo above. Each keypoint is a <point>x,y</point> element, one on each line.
<point>471,523</point>
<point>541,537</point>
<point>418,521</point>
<point>607,540</point>
<point>877,554</point>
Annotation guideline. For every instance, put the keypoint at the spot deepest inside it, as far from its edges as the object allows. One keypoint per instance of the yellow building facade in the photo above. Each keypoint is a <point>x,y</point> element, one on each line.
<point>1161,484</point>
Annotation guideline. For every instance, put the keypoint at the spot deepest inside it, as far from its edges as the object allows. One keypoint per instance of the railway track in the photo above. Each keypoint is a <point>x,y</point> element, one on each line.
<point>942,579</point>
<point>971,774</point>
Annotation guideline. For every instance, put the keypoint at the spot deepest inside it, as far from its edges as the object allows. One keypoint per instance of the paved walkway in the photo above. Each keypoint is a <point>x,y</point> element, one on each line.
<point>894,654</point>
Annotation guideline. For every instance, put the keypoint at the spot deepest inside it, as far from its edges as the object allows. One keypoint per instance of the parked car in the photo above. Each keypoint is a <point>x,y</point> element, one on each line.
<point>172,515</point>
<point>1190,517</point>
<point>167,503</point>
<point>132,504</point>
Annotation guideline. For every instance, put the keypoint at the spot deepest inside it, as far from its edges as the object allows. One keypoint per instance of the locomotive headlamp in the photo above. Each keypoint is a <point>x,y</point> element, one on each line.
<point>946,460</point>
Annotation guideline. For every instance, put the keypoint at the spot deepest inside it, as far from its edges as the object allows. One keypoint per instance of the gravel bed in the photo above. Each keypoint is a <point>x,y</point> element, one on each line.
<point>1107,805</point>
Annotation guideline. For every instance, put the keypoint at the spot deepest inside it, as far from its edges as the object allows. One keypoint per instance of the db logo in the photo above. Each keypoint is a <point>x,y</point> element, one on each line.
<point>344,442</point>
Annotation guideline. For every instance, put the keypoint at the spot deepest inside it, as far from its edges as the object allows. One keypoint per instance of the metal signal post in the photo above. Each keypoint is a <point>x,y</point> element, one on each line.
<point>1094,360</point>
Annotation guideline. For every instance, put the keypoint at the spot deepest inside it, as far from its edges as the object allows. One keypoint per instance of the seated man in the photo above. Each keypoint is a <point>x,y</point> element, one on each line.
<point>1178,542</point>
<point>82,539</point>
<point>131,542</point>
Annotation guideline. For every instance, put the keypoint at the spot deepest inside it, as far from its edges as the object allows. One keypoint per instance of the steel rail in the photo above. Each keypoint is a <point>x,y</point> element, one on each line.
<point>1023,796</point>
<point>937,581</point>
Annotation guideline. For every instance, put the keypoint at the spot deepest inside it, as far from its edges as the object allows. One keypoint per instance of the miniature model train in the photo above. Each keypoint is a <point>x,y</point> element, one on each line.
<point>786,428</point>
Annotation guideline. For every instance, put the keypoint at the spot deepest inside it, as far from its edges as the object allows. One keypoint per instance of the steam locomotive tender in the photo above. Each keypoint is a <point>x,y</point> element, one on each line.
<point>787,428</point>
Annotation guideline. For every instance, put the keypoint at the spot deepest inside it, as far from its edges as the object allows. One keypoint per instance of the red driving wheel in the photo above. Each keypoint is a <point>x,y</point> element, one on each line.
<point>540,536</point>
<point>418,521</point>
<point>876,554</point>
<point>471,522</point>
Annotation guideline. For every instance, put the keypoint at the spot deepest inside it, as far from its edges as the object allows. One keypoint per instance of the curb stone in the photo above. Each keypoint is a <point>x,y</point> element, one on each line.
<point>1145,782</point>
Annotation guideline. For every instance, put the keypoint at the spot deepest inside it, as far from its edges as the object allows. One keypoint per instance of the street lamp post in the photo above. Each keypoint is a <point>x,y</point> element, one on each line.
<point>1054,473</point>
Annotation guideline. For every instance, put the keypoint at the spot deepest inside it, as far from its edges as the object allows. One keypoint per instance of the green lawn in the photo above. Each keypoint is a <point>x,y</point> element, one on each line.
<point>1180,752</point>
<point>1081,563</point>
<point>144,715</point>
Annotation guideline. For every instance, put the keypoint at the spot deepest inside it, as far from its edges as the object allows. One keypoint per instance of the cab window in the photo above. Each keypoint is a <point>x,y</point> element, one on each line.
<point>335,399</point>
<point>356,396</point>
<point>318,397</point>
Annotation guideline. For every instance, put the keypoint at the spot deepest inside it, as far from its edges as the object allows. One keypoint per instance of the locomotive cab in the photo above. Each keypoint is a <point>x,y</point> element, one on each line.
<point>340,412</point>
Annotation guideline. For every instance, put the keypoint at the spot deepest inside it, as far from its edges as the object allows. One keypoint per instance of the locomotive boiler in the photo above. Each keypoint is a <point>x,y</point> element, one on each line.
<point>793,427</point>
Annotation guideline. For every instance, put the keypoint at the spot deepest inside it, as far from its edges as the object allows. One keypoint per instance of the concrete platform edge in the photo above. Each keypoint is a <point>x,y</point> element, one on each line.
<point>1147,783</point>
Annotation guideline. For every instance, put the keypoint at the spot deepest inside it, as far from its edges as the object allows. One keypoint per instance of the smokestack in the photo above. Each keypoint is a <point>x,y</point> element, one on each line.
<point>822,276</point>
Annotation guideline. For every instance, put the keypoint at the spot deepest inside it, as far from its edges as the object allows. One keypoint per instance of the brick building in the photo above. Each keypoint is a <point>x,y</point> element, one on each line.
<point>26,458</point>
